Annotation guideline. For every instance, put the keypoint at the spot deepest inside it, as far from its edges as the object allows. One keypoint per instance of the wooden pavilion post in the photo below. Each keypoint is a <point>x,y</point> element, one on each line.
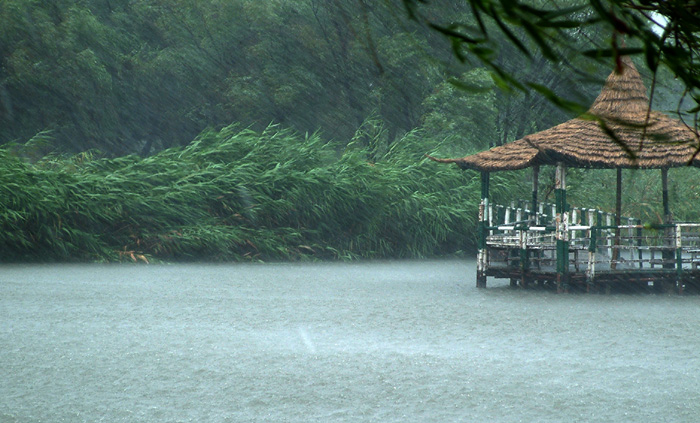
<point>664,195</point>
<point>668,254</point>
<point>618,220</point>
<point>562,228</point>
<point>482,254</point>
<point>524,252</point>
<point>535,184</point>
<point>668,232</point>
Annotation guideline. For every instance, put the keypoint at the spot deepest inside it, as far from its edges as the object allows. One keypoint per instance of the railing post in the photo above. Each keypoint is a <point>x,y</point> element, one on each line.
<point>522,245</point>
<point>630,235</point>
<point>618,220</point>
<point>592,243</point>
<point>640,254</point>
<point>667,253</point>
<point>524,259</point>
<point>554,212</point>
<point>562,229</point>
<point>482,254</point>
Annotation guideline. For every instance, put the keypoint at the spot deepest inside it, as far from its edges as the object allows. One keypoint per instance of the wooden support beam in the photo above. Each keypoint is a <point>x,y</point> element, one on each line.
<point>593,237</point>
<point>562,228</point>
<point>679,258</point>
<point>618,217</point>
<point>535,186</point>
<point>664,195</point>
<point>618,197</point>
<point>668,254</point>
<point>482,254</point>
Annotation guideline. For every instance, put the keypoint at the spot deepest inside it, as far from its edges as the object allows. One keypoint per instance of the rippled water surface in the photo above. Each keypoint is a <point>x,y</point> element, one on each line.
<point>376,342</point>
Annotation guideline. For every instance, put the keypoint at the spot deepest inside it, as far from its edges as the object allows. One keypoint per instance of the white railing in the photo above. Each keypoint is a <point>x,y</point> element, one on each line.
<point>594,242</point>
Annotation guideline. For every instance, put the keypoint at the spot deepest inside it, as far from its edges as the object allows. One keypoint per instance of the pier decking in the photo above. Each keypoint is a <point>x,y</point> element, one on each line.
<point>521,245</point>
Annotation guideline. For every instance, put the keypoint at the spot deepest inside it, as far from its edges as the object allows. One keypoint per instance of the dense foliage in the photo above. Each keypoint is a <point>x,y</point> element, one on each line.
<point>100,101</point>
<point>139,76</point>
<point>238,194</point>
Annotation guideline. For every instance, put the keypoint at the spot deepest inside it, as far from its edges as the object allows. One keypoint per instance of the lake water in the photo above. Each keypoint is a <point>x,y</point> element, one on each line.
<point>335,342</point>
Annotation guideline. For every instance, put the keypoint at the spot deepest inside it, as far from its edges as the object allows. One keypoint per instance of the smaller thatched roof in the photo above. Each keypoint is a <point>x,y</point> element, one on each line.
<point>617,131</point>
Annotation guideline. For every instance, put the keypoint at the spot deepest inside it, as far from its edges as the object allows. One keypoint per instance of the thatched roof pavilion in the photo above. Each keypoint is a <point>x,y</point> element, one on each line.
<point>618,131</point>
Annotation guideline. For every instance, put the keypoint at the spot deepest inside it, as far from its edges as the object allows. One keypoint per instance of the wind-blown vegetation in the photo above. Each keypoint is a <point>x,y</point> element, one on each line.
<point>141,76</point>
<point>237,194</point>
<point>148,76</point>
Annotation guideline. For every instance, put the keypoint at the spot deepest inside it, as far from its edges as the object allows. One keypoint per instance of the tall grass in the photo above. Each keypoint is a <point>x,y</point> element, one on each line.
<point>235,194</point>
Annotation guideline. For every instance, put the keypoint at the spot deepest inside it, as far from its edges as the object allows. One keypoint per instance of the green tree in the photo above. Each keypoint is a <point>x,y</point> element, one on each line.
<point>466,115</point>
<point>664,33</point>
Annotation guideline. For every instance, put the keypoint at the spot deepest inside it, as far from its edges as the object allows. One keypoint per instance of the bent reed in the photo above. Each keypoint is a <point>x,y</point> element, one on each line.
<point>236,194</point>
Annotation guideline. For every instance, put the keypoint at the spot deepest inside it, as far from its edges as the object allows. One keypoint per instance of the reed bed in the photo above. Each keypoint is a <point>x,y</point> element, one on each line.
<point>236,194</point>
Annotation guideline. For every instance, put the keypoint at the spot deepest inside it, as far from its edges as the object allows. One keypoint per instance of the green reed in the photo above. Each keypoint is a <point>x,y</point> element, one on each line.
<point>236,194</point>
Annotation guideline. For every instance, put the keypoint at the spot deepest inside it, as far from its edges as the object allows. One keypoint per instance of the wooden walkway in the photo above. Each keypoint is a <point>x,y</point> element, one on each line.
<point>583,250</point>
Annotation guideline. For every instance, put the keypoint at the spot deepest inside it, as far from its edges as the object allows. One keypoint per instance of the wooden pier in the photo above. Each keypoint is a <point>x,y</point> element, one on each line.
<point>593,253</point>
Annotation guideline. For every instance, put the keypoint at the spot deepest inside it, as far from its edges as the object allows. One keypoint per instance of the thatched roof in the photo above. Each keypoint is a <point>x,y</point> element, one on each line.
<point>640,139</point>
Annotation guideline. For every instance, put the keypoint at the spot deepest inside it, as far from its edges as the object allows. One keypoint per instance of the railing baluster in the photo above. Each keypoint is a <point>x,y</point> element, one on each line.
<point>640,253</point>
<point>529,241</point>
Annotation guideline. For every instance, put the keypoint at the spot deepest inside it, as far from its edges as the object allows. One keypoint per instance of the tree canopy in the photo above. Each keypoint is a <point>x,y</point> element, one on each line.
<point>130,76</point>
<point>141,76</point>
